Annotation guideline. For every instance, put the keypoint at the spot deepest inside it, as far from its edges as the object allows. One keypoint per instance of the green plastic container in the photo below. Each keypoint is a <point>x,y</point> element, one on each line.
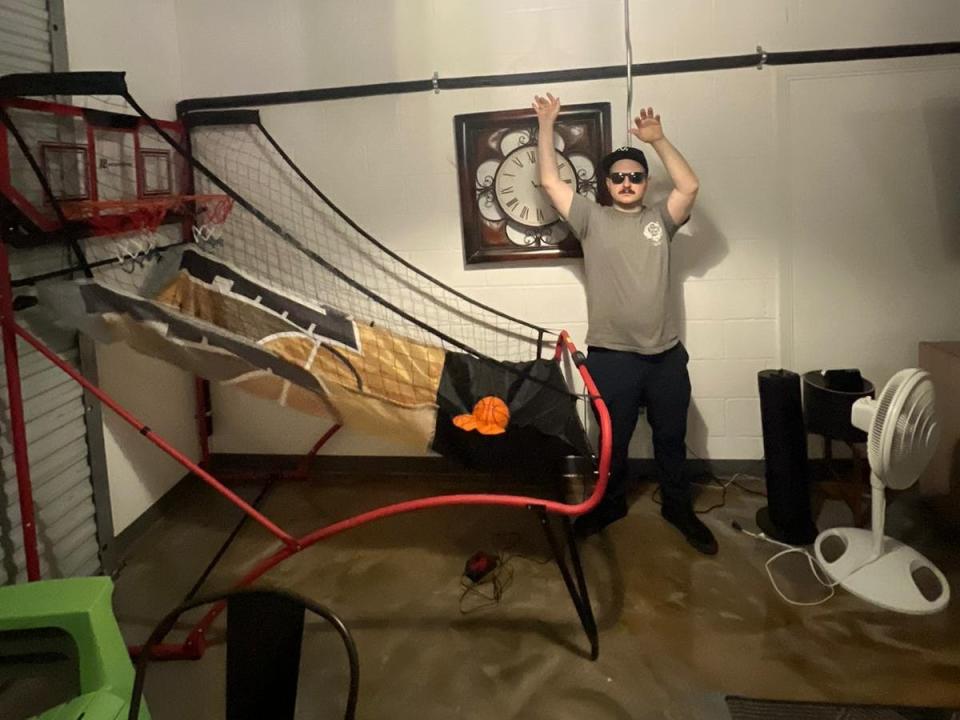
<point>81,609</point>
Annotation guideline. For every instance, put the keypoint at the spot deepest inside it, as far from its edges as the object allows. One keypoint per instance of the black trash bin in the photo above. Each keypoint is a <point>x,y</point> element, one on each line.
<point>827,405</point>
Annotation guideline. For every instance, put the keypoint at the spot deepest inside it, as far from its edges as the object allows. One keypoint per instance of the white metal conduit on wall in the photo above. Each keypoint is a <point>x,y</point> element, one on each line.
<point>31,33</point>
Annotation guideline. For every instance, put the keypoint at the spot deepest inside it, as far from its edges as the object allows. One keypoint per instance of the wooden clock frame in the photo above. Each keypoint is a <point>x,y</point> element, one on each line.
<point>585,130</point>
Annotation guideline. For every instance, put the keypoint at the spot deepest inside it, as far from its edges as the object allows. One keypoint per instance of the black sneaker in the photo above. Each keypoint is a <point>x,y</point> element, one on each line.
<point>602,515</point>
<point>686,521</point>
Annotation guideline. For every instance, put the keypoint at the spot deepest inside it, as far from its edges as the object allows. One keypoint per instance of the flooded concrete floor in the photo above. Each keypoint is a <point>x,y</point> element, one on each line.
<point>678,631</point>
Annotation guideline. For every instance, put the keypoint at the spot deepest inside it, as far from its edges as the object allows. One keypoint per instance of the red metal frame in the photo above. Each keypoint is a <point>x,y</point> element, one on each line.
<point>18,432</point>
<point>195,643</point>
<point>302,472</point>
<point>10,326</point>
<point>47,224</point>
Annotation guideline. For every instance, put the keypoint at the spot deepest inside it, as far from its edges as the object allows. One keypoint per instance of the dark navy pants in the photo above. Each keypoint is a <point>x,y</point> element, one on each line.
<point>629,382</point>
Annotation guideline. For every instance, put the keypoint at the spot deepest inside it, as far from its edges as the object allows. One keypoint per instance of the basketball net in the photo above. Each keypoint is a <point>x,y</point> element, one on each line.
<point>145,215</point>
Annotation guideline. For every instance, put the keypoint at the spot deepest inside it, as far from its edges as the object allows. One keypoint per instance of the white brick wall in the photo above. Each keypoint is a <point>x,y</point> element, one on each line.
<point>748,448</point>
<point>547,305</point>
<point>704,339</point>
<point>746,259</point>
<point>750,339</point>
<point>725,378</point>
<point>729,299</point>
<point>390,161</point>
<point>743,417</point>
<point>706,417</point>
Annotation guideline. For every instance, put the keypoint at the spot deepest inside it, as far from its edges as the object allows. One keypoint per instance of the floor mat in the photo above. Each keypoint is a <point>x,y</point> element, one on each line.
<point>749,709</point>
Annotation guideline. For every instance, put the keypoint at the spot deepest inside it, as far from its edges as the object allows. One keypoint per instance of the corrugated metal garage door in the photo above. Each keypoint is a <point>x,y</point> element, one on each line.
<point>31,41</point>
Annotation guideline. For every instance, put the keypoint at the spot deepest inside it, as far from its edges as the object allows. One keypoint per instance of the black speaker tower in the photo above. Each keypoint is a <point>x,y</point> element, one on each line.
<point>788,516</point>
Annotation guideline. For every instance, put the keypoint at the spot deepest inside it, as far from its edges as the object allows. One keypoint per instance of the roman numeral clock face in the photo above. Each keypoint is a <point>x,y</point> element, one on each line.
<point>517,187</point>
<point>505,214</point>
<point>517,198</point>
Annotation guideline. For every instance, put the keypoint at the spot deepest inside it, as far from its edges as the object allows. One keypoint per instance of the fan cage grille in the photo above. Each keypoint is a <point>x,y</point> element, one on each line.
<point>879,420</point>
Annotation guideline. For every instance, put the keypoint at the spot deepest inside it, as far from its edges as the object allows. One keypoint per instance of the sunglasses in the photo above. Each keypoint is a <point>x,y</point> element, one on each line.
<point>635,177</point>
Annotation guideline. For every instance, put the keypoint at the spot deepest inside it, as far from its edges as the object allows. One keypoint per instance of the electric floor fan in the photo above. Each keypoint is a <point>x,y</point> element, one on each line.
<point>902,435</point>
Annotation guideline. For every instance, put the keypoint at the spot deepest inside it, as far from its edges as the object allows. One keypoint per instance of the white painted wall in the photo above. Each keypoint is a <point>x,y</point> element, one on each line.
<point>141,39</point>
<point>730,258</point>
<point>874,204</point>
<point>749,279</point>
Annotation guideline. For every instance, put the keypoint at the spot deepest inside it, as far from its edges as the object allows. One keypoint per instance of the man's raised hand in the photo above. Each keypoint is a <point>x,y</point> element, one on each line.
<point>648,128</point>
<point>547,107</point>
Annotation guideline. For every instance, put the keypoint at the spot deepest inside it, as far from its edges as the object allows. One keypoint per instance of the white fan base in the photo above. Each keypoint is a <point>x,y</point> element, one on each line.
<point>887,581</point>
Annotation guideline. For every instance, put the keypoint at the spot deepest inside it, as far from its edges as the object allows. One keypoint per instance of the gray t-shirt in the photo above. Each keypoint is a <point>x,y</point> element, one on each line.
<point>627,263</point>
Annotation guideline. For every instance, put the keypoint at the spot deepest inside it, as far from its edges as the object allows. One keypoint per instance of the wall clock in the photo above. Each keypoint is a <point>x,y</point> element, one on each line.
<point>504,213</point>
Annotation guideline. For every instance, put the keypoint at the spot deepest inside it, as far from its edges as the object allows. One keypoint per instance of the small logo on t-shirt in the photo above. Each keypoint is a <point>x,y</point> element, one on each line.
<point>653,232</point>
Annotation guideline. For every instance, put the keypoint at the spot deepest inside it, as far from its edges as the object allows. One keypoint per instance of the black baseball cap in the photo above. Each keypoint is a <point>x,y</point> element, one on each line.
<point>624,153</point>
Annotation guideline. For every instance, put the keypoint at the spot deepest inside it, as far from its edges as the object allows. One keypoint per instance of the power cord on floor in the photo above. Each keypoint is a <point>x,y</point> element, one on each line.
<point>749,491</point>
<point>722,485</point>
<point>514,540</point>
<point>788,549</point>
<point>717,483</point>
<point>487,576</point>
<point>485,590</point>
<point>657,497</point>
<point>815,567</point>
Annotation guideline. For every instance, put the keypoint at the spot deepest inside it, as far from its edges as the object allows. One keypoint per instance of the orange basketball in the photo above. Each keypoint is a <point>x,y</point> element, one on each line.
<point>490,417</point>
